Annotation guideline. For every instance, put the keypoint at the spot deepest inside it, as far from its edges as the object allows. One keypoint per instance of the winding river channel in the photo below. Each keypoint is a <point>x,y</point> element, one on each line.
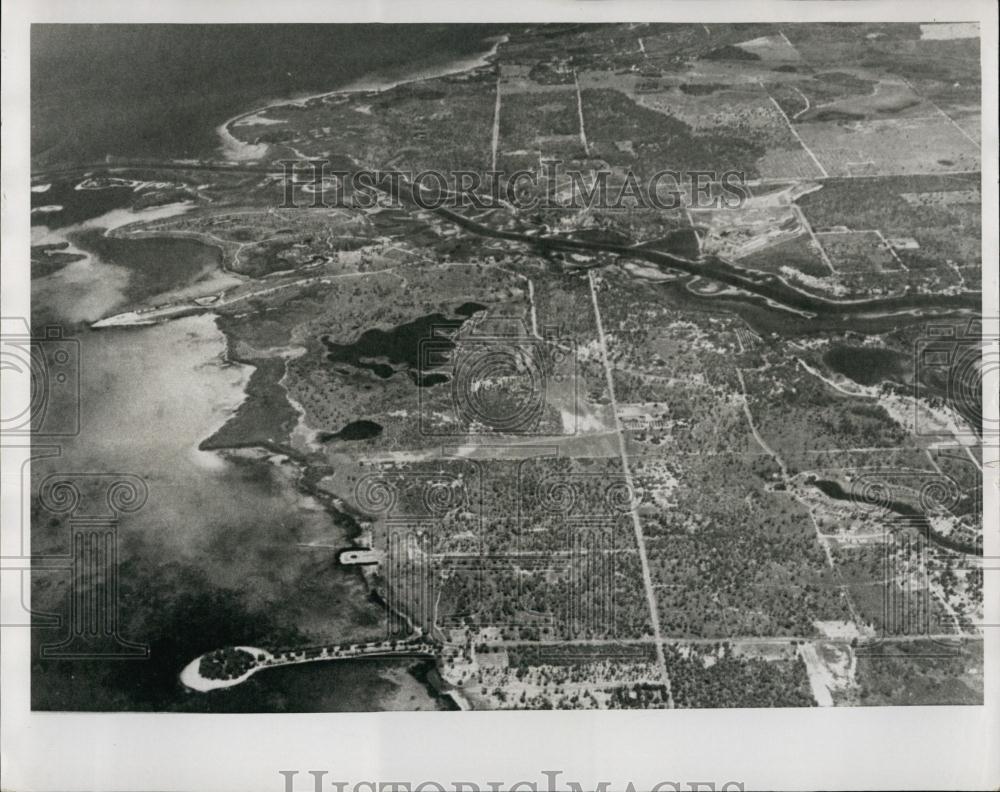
<point>769,287</point>
<point>801,310</point>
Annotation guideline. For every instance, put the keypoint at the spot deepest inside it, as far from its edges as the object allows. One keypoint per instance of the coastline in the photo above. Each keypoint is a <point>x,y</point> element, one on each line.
<point>236,150</point>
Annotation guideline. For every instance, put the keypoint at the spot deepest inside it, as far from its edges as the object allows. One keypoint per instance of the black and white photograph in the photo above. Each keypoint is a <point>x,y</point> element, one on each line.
<point>421,362</point>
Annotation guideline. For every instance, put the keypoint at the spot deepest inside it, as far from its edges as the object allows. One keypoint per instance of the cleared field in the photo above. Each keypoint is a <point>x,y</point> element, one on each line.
<point>949,30</point>
<point>858,251</point>
<point>796,256</point>
<point>772,48</point>
<point>850,95</point>
<point>970,122</point>
<point>787,163</point>
<point>899,146</point>
<point>736,233</point>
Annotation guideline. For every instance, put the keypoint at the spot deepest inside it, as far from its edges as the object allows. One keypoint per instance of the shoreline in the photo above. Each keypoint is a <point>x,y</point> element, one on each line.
<point>263,659</point>
<point>425,671</point>
<point>249,152</point>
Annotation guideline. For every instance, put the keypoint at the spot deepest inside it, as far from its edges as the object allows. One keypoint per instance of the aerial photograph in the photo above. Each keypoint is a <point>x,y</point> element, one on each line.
<point>506,366</point>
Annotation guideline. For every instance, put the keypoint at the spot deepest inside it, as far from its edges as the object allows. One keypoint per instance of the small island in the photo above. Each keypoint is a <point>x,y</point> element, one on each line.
<point>226,667</point>
<point>226,663</point>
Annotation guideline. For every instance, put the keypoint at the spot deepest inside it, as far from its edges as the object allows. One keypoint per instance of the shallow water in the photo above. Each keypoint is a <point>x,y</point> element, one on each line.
<point>94,286</point>
<point>226,548</point>
<point>182,81</point>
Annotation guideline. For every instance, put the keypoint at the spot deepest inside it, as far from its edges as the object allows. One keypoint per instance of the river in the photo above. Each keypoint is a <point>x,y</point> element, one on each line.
<point>772,290</point>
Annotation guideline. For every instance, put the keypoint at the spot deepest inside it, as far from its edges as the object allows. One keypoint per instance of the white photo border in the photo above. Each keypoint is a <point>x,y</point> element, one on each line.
<point>941,747</point>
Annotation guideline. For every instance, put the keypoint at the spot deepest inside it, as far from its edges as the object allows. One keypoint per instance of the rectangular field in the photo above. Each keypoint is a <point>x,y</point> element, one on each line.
<point>884,147</point>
